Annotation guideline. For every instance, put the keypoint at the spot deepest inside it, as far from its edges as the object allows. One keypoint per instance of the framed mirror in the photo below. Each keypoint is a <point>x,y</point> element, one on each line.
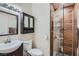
<point>27,24</point>
<point>8,23</point>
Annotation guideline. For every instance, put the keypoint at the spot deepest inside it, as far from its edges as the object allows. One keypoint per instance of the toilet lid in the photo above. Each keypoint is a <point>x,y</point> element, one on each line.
<point>35,52</point>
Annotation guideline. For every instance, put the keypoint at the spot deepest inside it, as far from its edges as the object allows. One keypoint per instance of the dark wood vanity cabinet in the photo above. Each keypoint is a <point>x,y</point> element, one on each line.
<point>18,52</point>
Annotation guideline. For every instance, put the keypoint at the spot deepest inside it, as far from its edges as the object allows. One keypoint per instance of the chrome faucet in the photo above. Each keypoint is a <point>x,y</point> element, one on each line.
<point>8,40</point>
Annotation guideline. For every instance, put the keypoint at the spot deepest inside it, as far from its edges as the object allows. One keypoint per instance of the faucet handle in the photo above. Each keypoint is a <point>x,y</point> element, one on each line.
<point>8,39</point>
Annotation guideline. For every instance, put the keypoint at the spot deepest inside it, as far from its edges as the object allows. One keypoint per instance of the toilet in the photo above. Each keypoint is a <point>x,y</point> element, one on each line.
<point>27,48</point>
<point>35,52</point>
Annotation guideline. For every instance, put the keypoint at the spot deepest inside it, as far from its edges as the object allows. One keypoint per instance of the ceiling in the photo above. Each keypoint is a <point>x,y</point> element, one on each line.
<point>57,5</point>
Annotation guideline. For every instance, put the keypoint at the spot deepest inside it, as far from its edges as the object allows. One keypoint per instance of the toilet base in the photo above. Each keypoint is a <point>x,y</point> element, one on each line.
<point>35,52</point>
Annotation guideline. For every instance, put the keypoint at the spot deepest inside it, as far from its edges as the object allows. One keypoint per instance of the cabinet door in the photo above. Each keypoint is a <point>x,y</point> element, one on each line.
<point>69,31</point>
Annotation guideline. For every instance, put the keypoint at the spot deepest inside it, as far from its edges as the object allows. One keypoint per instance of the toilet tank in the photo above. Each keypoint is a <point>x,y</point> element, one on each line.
<point>27,45</point>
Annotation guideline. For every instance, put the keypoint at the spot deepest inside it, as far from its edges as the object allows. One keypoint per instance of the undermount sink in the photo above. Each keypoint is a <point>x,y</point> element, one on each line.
<point>10,47</point>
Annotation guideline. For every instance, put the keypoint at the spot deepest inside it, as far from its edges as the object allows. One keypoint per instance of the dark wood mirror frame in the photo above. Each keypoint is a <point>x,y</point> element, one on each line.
<point>27,29</point>
<point>16,23</point>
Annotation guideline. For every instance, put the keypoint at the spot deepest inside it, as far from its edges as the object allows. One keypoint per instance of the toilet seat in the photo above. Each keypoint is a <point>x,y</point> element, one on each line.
<point>35,52</point>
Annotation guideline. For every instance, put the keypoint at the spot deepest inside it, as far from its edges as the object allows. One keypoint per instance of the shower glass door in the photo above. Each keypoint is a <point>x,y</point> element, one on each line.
<point>58,31</point>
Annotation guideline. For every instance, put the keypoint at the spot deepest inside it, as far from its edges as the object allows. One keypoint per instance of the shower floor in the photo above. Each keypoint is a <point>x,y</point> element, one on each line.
<point>61,54</point>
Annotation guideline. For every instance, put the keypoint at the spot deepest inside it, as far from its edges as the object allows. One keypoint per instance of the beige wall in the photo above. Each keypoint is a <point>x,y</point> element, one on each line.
<point>26,7</point>
<point>42,27</point>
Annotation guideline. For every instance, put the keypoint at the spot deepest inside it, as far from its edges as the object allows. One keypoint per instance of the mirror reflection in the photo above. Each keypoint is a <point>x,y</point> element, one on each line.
<point>58,32</point>
<point>8,23</point>
<point>31,22</point>
<point>26,21</point>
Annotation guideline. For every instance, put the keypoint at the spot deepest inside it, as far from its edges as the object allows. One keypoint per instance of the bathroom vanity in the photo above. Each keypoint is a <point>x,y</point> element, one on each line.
<point>13,48</point>
<point>17,52</point>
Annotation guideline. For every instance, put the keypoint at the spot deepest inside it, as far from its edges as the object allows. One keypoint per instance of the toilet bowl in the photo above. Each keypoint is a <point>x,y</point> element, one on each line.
<point>35,52</point>
<point>27,46</point>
